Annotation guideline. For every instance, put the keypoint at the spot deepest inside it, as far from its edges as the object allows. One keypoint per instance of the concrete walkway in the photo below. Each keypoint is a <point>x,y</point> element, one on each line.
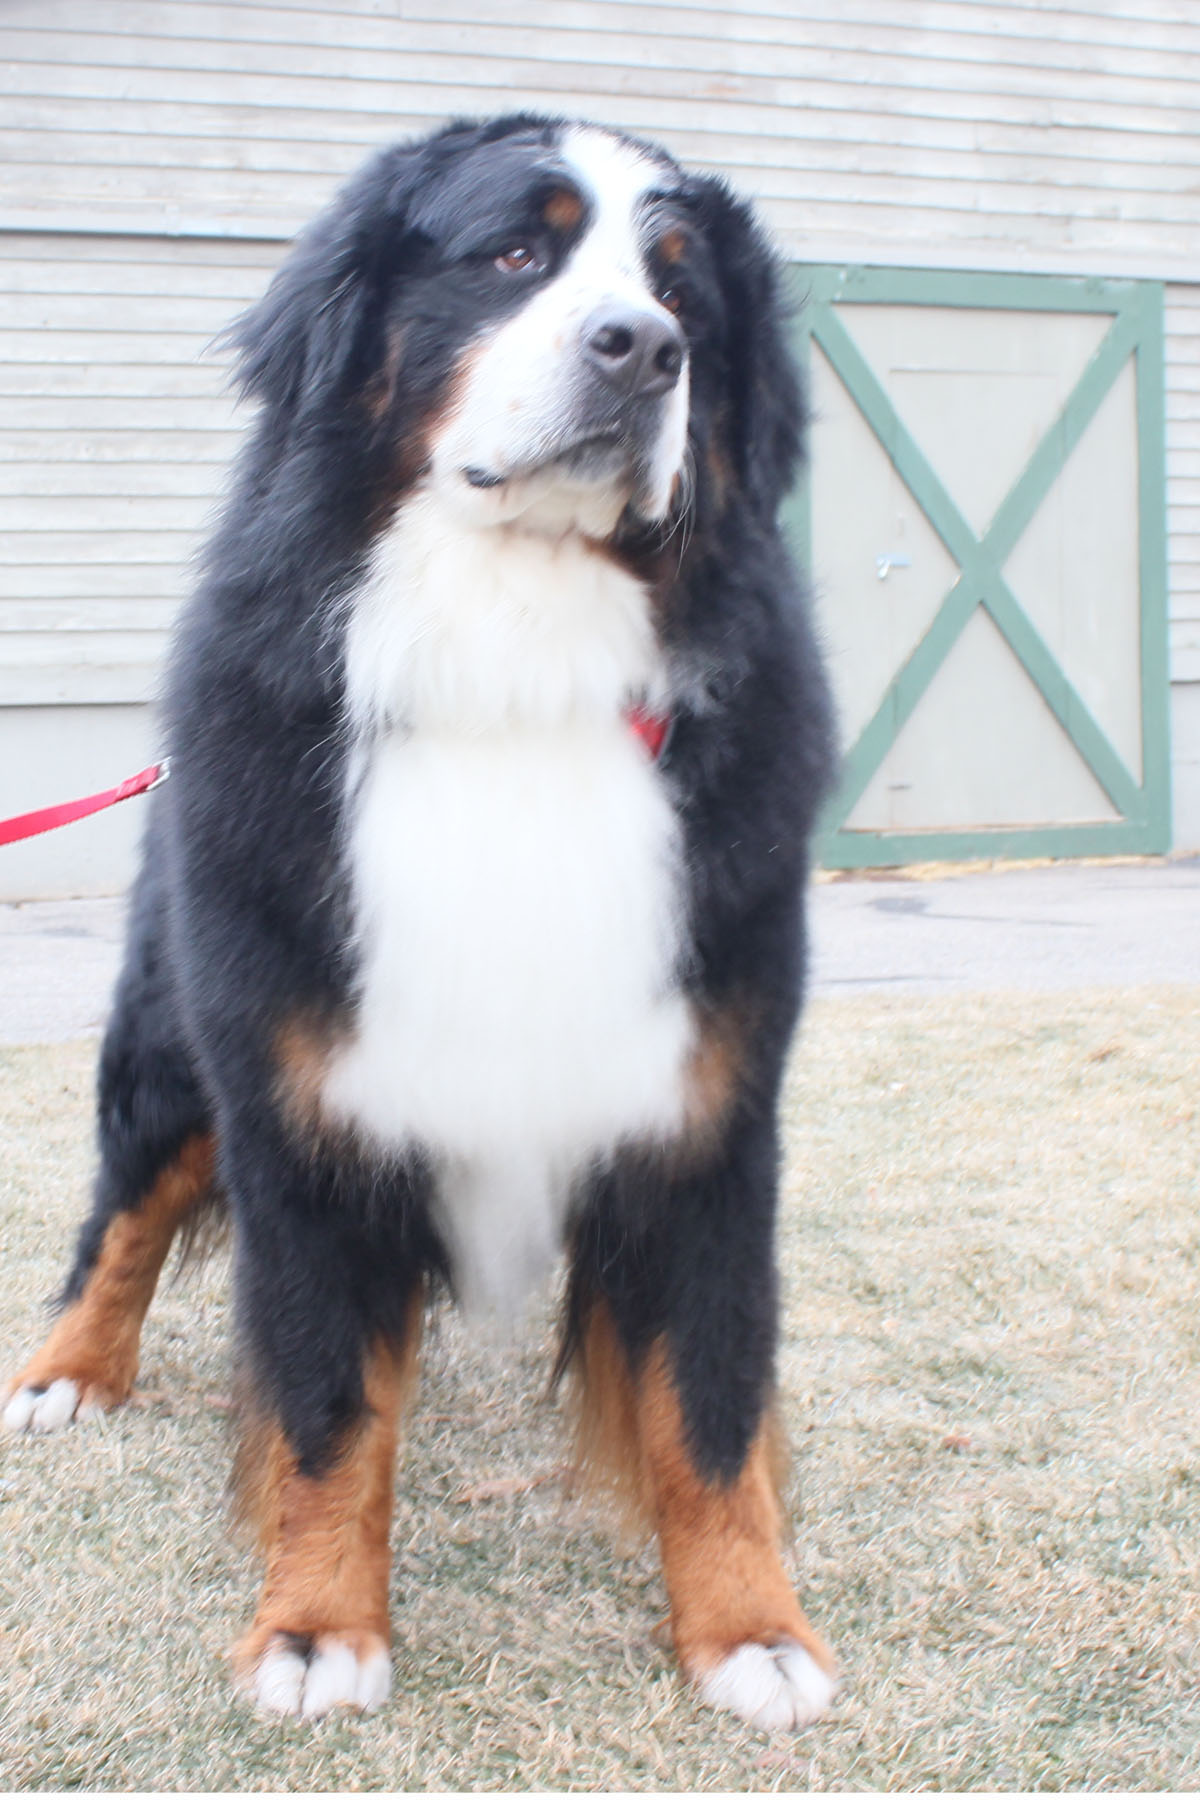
<point>1069,925</point>
<point>1061,927</point>
<point>58,962</point>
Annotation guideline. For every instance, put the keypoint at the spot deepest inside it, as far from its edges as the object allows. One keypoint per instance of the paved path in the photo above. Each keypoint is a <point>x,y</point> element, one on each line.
<point>58,962</point>
<point>1066,926</point>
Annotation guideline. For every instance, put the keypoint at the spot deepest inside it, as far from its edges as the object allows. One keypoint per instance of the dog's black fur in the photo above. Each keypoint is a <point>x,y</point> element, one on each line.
<point>241,919</point>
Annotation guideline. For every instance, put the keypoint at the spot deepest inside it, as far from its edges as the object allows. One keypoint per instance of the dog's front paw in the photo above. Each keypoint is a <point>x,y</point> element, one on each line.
<point>778,1687</point>
<point>305,1677</point>
<point>47,1405</point>
<point>85,1367</point>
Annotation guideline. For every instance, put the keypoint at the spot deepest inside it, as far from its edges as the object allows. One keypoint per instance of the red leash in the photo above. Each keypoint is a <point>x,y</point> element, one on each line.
<point>48,818</point>
<point>652,728</point>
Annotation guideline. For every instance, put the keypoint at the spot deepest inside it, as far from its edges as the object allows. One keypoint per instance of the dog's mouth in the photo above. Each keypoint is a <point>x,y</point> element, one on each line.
<point>599,456</point>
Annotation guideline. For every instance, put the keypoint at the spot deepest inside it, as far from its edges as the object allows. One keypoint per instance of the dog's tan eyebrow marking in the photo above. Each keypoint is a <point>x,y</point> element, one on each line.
<point>563,209</point>
<point>672,245</point>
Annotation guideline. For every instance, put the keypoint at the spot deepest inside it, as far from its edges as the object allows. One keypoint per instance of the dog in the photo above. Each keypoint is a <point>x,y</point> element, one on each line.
<point>470,925</point>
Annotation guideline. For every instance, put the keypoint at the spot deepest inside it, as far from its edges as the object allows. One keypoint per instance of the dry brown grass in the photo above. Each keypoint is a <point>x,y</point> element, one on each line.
<point>992,1379</point>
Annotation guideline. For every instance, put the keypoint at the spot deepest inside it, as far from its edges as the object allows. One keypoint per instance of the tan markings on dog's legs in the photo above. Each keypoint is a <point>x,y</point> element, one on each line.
<point>320,1635</point>
<point>90,1358</point>
<point>738,1629</point>
<point>607,1454</point>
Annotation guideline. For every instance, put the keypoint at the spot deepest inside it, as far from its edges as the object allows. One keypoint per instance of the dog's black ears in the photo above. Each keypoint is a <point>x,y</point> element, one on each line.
<point>768,415</point>
<point>306,338</point>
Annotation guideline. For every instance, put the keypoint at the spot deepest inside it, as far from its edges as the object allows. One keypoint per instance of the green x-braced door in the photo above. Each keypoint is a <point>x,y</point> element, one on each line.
<point>984,519</point>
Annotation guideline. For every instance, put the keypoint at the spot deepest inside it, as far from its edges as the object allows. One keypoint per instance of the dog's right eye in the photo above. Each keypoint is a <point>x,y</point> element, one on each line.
<point>517,259</point>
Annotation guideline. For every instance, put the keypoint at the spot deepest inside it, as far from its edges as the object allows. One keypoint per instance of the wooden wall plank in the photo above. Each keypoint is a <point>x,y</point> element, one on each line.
<point>1061,134</point>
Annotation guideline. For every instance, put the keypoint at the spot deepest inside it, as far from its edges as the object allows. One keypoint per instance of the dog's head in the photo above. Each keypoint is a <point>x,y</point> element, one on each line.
<point>539,321</point>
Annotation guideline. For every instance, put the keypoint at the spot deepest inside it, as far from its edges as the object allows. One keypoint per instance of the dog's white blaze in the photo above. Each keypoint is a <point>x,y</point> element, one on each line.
<point>517,391</point>
<point>516,878</point>
<point>618,176</point>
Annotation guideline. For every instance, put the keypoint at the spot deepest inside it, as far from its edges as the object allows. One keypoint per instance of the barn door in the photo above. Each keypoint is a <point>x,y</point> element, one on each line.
<point>984,518</point>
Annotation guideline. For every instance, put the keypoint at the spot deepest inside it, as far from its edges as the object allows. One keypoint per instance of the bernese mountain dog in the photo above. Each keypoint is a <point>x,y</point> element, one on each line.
<point>469,928</point>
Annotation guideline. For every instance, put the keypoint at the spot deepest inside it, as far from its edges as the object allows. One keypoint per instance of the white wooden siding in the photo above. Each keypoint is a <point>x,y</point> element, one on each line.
<point>115,431</point>
<point>966,133</point>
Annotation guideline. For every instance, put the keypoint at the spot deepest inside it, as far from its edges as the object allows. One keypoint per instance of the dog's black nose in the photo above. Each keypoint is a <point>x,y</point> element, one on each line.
<point>638,353</point>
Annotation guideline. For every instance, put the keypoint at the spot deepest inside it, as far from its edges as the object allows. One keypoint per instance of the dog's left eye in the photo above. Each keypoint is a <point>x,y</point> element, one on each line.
<point>516,260</point>
<point>672,299</point>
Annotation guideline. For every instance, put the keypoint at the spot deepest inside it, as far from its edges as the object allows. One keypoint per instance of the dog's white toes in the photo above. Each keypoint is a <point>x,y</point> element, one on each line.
<point>278,1682</point>
<point>338,1677</point>
<point>335,1673</point>
<point>19,1410</point>
<point>56,1406</point>
<point>42,1409</point>
<point>777,1687</point>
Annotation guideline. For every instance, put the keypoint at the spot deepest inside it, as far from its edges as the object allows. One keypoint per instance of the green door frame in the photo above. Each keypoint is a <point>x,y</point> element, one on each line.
<point>1136,309</point>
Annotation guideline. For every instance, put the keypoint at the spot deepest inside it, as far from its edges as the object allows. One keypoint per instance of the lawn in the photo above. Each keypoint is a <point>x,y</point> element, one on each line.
<point>990,1373</point>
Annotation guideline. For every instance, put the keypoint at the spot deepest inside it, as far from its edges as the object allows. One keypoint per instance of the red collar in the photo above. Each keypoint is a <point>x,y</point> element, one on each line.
<point>653,728</point>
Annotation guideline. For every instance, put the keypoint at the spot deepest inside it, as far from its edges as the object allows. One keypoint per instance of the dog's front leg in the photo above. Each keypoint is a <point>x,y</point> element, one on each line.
<point>672,1333</point>
<point>738,1628</point>
<point>316,1466</point>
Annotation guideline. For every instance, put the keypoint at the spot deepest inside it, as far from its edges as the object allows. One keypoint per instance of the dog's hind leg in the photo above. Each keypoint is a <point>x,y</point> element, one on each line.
<point>156,1172</point>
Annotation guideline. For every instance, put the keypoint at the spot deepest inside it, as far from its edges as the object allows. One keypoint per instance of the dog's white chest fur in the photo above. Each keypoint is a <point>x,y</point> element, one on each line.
<point>517,881</point>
